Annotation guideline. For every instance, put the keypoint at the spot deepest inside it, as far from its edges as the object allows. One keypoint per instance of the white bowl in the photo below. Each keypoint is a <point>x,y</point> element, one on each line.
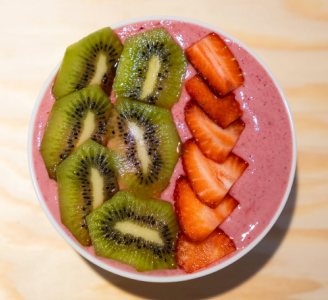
<point>140,276</point>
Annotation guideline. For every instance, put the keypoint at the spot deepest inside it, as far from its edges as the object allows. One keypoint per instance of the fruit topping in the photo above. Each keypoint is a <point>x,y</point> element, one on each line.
<point>85,180</point>
<point>225,207</point>
<point>90,61</point>
<point>215,62</point>
<point>126,225</point>
<point>193,256</point>
<point>141,233</point>
<point>223,110</point>
<point>151,69</point>
<point>214,141</point>
<point>197,221</point>
<point>148,144</point>
<point>210,181</point>
<point>74,119</point>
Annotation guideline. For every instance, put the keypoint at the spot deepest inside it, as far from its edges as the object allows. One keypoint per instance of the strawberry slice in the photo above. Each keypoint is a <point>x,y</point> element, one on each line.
<point>193,256</point>
<point>197,221</point>
<point>213,59</point>
<point>225,208</point>
<point>230,171</point>
<point>223,110</point>
<point>215,142</point>
<point>209,180</point>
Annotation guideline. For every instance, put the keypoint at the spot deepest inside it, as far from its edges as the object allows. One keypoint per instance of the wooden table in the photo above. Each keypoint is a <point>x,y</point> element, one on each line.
<point>291,36</point>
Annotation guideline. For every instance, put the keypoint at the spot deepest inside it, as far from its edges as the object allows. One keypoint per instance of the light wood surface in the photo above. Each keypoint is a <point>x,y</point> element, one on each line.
<point>291,36</point>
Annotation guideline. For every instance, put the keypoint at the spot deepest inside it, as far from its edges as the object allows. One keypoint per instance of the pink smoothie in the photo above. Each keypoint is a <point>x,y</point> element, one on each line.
<point>266,144</point>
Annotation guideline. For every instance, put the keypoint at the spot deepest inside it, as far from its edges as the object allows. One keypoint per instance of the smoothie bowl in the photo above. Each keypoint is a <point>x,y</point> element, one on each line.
<point>161,149</point>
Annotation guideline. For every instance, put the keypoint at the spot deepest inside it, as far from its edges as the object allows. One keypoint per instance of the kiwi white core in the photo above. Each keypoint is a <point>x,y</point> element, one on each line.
<point>88,128</point>
<point>97,188</point>
<point>148,234</point>
<point>138,134</point>
<point>100,68</point>
<point>151,77</point>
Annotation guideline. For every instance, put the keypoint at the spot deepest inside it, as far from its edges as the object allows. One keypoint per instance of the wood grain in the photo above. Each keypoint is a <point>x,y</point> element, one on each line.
<point>290,263</point>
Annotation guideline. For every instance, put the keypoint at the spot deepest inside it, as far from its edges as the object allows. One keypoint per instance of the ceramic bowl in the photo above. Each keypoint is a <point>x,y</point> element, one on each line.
<point>141,276</point>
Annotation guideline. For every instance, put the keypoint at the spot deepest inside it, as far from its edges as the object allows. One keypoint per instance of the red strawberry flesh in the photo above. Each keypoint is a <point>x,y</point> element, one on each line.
<point>193,256</point>
<point>197,221</point>
<point>225,207</point>
<point>223,110</point>
<point>213,59</point>
<point>230,171</point>
<point>214,141</point>
<point>209,180</point>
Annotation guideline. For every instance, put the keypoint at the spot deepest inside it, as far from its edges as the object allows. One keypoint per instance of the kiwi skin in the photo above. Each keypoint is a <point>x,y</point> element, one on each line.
<point>130,247</point>
<point>66,123</point>
<point>162,141</point>
<point>76,188</point>
<point>81,59</point>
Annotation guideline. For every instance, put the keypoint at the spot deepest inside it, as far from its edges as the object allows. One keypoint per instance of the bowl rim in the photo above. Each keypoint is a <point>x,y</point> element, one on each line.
<point>149,278</point>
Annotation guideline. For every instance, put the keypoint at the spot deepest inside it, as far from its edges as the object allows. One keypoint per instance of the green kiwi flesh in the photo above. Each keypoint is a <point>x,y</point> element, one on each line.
<point>139,232</point>
<point>148,146</point>
<point>74,119</point>
<point>151,69</point>
<point>85,180</point>
<point>92,60</point>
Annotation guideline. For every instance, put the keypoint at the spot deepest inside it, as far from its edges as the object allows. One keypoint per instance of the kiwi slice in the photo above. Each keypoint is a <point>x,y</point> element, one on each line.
<point>137,232</point>
<point>85,180</point>
<point>92,60</point>
<point>74,119</point>
<point>151,69</point>
<point>148,145</point>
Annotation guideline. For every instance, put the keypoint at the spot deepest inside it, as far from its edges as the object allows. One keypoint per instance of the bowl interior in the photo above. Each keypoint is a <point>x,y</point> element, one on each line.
<point>140,276</point>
